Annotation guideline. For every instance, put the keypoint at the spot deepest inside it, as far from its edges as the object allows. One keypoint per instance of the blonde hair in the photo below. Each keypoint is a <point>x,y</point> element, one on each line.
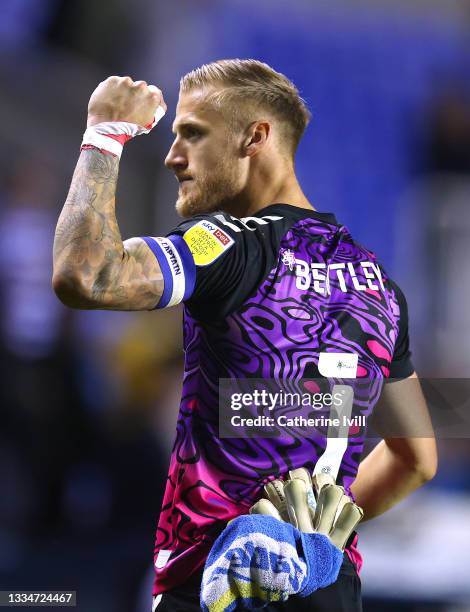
<point>245,87</point>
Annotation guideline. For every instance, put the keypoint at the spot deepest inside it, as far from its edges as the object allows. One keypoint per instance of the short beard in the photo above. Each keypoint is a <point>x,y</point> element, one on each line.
<point>214,191</point>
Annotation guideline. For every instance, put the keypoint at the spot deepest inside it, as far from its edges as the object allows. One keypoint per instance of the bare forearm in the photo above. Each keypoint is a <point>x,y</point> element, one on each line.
<point>384,479</point>
<point>87,240</point>
<point>93,268</point>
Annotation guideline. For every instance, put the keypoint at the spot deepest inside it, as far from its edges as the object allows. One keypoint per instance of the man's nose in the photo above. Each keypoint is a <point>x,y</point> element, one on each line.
<point>176,157</point>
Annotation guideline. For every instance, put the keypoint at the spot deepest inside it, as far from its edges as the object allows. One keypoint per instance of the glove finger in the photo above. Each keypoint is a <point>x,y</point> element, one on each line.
<point>342,502</point>
<point>275,493</point>
<point>301,474</point>
<point>297,505</point>
<point>328,501</point>
<point>304,474</point>
<point>264,506</point>
<point>322,479</point>
<point>348,518</point>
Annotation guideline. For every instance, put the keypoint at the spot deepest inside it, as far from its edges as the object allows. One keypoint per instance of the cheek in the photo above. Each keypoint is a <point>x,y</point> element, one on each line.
<point>215,160</point>
<point>216,156</point>
<point>222,149</point>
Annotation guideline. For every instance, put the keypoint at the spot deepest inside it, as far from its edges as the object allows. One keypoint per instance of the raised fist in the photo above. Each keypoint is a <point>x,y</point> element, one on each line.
<point>122,99</point>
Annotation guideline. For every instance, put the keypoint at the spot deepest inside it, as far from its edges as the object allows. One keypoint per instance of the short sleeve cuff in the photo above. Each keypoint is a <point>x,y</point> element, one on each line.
<point>402,368</point>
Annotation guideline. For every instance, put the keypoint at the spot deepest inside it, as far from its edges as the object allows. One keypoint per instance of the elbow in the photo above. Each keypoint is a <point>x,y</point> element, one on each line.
<point>416,456</point>
<point>427,471</point>
<point>427,467</point>
<point>70,290</point>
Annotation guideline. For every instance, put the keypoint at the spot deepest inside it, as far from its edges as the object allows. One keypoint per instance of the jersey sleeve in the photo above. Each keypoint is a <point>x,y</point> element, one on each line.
<point>211,262</point>
<point>401,365</point>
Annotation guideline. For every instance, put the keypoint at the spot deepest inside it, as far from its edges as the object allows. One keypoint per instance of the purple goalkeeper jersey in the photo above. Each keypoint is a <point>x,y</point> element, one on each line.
<point>286,295</point>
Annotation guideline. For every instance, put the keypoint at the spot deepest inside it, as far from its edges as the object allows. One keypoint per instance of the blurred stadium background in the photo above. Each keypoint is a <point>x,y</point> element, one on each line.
<point>89,399</point>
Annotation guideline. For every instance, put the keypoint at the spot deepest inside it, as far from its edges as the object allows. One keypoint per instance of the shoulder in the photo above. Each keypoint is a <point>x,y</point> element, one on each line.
<point>210,236</point>
<point>235,227</point>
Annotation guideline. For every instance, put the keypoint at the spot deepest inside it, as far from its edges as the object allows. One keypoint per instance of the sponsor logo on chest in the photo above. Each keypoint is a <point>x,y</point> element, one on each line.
<point>355,276</point>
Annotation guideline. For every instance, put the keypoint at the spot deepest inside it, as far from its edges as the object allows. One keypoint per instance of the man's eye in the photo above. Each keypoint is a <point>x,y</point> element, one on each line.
<point>192,133</point>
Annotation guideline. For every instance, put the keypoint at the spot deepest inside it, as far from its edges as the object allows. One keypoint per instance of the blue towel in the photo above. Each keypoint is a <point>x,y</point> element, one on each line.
<point>258,559</point>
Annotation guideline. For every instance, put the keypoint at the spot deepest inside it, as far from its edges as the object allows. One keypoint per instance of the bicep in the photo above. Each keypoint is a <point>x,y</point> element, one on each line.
<point>134,284</point>
<point>402,419</point>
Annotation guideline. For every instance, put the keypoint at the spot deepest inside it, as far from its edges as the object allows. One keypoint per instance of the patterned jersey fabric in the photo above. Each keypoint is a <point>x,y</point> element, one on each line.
<point>274,296</point>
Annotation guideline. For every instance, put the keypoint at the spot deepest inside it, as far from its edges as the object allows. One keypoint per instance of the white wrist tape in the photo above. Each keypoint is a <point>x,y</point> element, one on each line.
<point>111,136</point>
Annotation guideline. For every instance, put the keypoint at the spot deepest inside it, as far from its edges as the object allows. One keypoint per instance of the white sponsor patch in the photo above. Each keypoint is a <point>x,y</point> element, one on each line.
<point>338,365</point>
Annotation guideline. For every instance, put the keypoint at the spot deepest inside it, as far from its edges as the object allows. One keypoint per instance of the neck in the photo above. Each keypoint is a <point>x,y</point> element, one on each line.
<point>269,190</point>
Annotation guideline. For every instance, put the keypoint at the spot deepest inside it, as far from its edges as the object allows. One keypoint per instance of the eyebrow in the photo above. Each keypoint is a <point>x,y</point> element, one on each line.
<point>194,123</point>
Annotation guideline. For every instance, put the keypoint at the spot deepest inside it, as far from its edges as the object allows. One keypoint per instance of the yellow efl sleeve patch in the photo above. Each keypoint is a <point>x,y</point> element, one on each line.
<point>207,242</point>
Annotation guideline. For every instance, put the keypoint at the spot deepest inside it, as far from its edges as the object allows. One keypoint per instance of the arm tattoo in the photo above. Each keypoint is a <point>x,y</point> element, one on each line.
<point>88,247</point>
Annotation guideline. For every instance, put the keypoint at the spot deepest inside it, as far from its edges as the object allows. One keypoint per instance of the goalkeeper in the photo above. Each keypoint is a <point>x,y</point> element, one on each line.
<point>272,289</point>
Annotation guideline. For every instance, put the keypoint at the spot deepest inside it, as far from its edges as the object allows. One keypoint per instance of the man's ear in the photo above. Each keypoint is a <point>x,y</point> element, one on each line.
<point>257,136</point>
